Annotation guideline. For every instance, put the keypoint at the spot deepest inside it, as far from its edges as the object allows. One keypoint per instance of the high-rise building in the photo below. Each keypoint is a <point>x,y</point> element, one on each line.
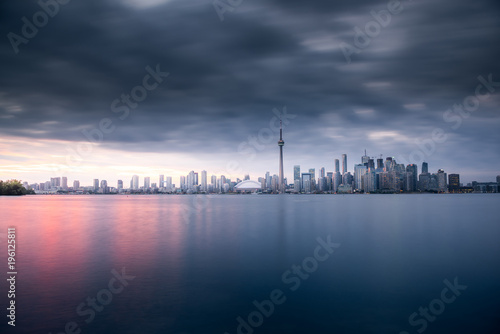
<point>104,187</point>
<point>359,171</point>
<point>281,143</point>
<point>337,181</point>
<point>380,163</point>
<point>96,184</point>
<point>147,183</point>
<point>296,172</point>
<point>213,180</point>
<point>76,185</point>
<point>388,164</point>
<point>135,182</point>
<point>162,181</point>
<point>322,172</point>
<point>344,164</point>
<point>364,159</point>
<point>55,182</point>
<point>370,164</point>
<point>369,182</point>
<point>168,184</point>
<point>411,177</point>
<point>306,182</point>
<point>64,183</point>
<point>119,185</point>
<point>337,166</point>
<point>425,167</point>
<point>204,186</point>
<point>454,182</point>
<point>441,179</point>
<point>329,181</point>
<point>182,182</point>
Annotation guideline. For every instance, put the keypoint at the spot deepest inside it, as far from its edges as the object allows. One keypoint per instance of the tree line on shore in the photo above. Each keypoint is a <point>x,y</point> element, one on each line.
<point>14,187</point>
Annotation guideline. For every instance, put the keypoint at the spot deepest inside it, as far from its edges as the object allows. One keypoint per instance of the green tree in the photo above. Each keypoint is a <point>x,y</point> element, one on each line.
<point>13,187</point>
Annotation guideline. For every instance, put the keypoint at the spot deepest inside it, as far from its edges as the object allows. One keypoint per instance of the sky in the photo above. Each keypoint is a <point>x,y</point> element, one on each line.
<point>111,88</point>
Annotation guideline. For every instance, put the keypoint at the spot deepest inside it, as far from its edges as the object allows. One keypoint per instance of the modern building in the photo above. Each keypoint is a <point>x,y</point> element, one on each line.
<point>411,178</point>
<point>307,182</point>
<point>296,172</point>
<point>453,183</point>
<point>248,186</point>
<point>364,159</point>
<point>425,167</point>
<point>441,178</point>
<point>76,185</point>
<point>96,184</point>
<point>359,171</point>
<point>204,181</point>
<point>344,164</point>
<point>161,181</point>
<point>135,182</point>
<point>337,166</point>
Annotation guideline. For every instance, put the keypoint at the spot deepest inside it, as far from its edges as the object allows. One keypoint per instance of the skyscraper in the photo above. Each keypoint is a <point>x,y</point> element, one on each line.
<point>96,184</point>
<point>337,166</point>
<point>281,143</point>
<point>411,177</point>
<point>453,182</point>
<point>425,167</point>
<point>147,182</point>
<point>364,159</point>
<point>64,183</point>
<point>204,186</point>
<point>359,172</point>
<point>135,182</point>
<point>322,172</point>
<point>296,173</point>
<point>344,164</point>
<point>76,184</point>
<point>162,181</point>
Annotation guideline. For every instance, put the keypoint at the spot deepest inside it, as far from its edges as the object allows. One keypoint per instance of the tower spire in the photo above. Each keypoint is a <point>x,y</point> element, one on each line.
<point>281,143</point>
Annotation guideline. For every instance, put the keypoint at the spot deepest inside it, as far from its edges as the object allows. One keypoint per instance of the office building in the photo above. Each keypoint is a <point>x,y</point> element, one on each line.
<point>344,164</point>
<point>453,183</point>
<point>296,172</point>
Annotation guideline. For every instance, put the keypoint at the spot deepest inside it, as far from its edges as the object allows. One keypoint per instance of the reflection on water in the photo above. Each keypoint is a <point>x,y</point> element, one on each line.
<point>199,267</point>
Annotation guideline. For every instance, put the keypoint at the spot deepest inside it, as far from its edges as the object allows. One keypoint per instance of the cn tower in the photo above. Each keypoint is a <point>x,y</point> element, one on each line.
<point>281,143</point>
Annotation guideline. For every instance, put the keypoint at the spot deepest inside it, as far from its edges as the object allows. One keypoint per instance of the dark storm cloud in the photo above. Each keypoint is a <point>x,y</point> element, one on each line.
<point>226,77</point>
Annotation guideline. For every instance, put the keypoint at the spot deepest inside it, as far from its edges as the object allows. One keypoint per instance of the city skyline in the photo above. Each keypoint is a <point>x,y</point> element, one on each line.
<point>179,101</point>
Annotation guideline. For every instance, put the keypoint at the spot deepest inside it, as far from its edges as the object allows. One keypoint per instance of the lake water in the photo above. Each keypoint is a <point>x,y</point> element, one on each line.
<point>196,264</point>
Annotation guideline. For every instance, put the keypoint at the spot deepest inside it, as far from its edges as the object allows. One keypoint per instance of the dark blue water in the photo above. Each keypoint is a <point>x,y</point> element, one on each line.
<point>196,264</point>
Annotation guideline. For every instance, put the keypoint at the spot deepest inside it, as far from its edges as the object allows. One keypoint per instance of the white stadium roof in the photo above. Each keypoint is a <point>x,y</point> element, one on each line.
<point>248,185</point>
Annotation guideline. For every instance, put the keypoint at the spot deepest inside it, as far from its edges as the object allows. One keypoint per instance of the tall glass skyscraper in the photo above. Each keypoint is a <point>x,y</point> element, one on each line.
<point>344,164</point>
<point>425,167</point>
<point>296,172</point>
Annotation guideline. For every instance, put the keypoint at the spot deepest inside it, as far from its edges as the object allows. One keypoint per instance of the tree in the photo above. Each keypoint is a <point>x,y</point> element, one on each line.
<point>13,187</point>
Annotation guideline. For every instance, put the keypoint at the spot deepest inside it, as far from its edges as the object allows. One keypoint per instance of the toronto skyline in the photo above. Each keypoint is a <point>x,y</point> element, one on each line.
<point>181,101</point>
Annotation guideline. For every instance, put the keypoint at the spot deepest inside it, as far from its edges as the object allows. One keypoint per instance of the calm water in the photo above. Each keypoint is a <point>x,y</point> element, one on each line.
<point>198,266</point>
